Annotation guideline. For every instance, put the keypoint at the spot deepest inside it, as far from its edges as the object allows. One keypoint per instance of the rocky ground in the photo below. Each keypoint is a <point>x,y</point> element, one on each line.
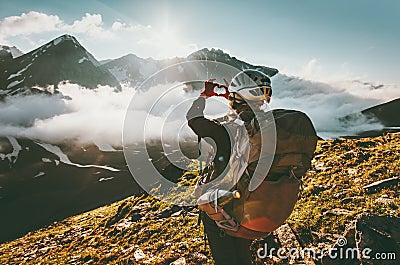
<point>350,198</point>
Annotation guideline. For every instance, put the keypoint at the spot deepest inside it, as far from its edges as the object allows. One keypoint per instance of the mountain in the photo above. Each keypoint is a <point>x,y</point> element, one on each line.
<point>41,183</point>
<point>65,59</point>
<point>386,113</point>
<point>61,59</point>
<point>132,69</point>
<point>351,195</point>
<point>218,55</point>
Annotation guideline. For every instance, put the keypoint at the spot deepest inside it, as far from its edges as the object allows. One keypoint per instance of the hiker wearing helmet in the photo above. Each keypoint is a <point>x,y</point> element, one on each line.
<point>247,93</point>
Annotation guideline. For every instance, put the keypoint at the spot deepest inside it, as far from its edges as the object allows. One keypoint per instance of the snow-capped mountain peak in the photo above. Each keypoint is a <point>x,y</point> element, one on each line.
<point>132,69</point>
<point>61,59</point>
<point>65,37</point>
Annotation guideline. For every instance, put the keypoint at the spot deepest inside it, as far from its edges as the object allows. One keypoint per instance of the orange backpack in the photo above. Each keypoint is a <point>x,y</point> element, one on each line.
<point>263,207</point>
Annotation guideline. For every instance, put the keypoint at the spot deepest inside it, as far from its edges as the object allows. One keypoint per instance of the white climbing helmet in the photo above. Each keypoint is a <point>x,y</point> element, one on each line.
<point>251,85</point>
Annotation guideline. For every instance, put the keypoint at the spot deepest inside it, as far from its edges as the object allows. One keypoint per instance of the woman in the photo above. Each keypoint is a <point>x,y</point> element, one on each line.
<point>249,90</point>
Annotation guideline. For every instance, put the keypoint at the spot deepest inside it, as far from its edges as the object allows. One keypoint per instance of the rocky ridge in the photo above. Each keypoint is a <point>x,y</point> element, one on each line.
<point>132,70</point>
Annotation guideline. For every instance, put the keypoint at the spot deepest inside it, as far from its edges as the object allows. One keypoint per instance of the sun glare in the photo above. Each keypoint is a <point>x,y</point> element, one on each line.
<point>169,42</point>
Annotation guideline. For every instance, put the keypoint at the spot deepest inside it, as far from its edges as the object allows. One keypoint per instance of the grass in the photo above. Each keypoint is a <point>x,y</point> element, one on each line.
<point>340,170</point>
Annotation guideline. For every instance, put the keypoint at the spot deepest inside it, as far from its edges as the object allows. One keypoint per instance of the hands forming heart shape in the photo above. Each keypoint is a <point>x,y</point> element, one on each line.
<point>214,89</point>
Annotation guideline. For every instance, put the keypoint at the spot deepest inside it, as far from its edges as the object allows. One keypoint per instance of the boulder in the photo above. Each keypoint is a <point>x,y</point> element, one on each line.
<point>369,239</point>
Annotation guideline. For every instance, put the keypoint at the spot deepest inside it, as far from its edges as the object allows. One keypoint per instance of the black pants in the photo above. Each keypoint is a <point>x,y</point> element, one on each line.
<point>226,249</point>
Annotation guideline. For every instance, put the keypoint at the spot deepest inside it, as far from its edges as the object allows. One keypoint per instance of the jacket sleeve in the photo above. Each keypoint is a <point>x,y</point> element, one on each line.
<point>199,124</point>
<point>207,128</point>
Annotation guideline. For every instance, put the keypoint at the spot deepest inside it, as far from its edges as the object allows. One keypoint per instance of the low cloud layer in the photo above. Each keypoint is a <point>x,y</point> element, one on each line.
<point>88,116</point>
<point>327,103</point>
<point>81,115</point>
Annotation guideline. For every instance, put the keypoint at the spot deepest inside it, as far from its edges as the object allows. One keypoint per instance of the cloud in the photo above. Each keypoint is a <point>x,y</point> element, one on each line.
<point>314,70</point>
<point>87,115</point>
<point>324,103</point>
<point>30,23</point>
<point>380,92</point>
<point>342,78</point>
<point>36,23</point>
<point>81,115</point>
<point>91,24</point>
<point>26,110</point>
<point>34,28</point>
<point>99,115</point>
<point>120,26</point>
<point>311,70</point>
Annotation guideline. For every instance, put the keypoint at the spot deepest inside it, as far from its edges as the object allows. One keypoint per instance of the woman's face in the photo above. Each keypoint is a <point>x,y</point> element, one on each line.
<point>242,105</point>
<point>235,98</point>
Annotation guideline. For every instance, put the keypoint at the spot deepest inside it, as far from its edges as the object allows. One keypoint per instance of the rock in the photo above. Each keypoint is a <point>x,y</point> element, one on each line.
<point>168,212</point>
<point>378,185</point>
<point>337,211</point>
<point>128,250</point>
<point>316,157</point>
<point>200,256</point>
<point>317,189</point>
<point>366,237</point>
<point>384,199</point>
<point>288,242</point>
<point>340,195</point>
<point>124,224</point>
<point>136,217</point>
<point>352,171</point>
<point>286,237</point>
<point>321,167</point>
<point>139,255</point>
<point>177,214</point>
<point>349,199</point>
<point>180,261</point>
<point>87,258</point>
<point>122,211</point>
<point>338,141</point>
<point>365,143</point>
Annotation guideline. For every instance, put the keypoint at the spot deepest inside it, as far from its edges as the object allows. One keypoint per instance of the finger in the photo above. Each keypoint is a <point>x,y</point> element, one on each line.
<point>211,80</point>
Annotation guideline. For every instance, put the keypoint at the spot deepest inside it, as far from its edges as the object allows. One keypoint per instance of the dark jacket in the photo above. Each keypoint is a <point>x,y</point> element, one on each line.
<point>210,128</point>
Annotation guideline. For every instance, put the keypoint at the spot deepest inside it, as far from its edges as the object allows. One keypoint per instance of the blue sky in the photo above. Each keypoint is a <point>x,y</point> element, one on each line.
<point>318,40</point>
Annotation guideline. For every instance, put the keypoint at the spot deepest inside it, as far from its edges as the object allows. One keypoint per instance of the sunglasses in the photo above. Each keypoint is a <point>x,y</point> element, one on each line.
<point>265,91</point>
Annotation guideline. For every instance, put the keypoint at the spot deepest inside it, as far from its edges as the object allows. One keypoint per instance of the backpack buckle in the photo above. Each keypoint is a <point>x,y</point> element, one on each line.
<point>229,223</point>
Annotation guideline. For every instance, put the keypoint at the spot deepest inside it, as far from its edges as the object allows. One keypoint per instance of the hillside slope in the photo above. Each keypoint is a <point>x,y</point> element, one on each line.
<point>142,230</point>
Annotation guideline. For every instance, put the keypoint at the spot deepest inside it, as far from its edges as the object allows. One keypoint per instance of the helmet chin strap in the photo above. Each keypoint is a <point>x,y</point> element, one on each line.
<point>237,105</point>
